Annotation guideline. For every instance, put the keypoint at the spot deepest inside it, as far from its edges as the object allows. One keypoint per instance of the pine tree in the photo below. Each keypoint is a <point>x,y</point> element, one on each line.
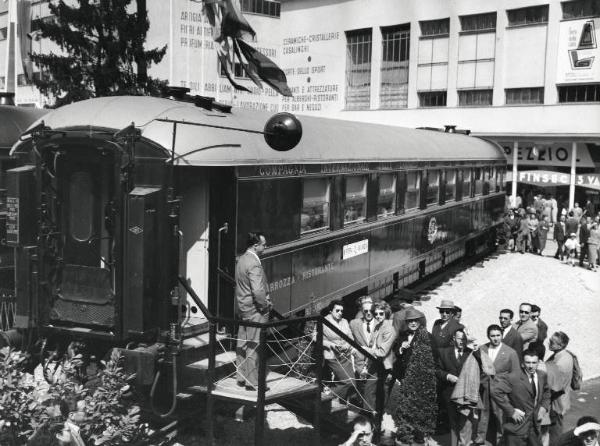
<point>102,44</point>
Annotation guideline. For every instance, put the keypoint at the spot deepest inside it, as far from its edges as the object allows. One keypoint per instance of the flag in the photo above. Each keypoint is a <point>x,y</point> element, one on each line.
<point>229,29</point>
<point>266,69</point>
<point>24,30</point>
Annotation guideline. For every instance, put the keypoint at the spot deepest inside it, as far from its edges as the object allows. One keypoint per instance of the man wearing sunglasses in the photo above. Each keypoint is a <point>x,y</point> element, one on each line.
<point>527,329</point>
<point>363,332</point>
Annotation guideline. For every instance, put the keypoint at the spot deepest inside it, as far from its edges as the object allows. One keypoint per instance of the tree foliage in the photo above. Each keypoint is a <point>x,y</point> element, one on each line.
<point>102,44</point>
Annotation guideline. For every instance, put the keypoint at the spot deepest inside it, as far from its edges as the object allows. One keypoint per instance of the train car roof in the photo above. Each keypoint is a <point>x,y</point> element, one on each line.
<point>323,140</point>
<point>14,121</point>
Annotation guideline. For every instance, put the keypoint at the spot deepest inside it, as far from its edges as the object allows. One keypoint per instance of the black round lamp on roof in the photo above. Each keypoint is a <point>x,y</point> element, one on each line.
<point>283,132</point>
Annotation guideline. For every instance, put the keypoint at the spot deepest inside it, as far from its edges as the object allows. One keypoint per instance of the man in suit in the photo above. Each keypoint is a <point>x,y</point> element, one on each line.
<point>524,397</point>
<point>559,368</point>
<point>363,332</point>
<point>444,328</point>
<point>584,236</point>
<point>510,336</point>
<point>525,326</point>
<point>538,344</point>
<point>560,235</point>
<point>381,347</point>
<point>505,361</point>
<point>253,304</point>
<point>449,363</point>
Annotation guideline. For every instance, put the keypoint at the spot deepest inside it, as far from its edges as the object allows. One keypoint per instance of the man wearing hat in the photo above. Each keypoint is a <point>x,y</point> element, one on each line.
<point>444,328</point>
<point>583,434</point>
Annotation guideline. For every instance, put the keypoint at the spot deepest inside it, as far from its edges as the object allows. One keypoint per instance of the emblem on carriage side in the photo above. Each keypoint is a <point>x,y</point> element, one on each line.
<point>432,230</point>
<point>136,230</point>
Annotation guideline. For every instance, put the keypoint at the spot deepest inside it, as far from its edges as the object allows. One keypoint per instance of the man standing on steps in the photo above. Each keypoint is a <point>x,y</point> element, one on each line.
<point>253,304</point>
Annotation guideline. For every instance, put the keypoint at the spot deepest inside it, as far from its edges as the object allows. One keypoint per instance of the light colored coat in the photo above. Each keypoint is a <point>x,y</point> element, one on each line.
<point>559,368</point>
<point>251,287</point>
<point>383,341</point>
<point>528,331</point>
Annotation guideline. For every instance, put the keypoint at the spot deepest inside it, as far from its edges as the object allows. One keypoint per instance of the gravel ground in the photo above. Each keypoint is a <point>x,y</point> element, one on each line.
<point>569,298</point>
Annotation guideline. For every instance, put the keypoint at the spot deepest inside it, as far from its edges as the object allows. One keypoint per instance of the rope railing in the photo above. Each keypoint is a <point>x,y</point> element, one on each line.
<point>301,357</point>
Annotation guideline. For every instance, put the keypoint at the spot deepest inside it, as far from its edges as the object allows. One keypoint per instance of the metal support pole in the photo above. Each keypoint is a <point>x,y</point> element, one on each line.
<point>573,174</point>
<point>514,172</point>
<point>212,343</point>
<point>319,369</point>
<point>380,392</point>
<point>259,423</point>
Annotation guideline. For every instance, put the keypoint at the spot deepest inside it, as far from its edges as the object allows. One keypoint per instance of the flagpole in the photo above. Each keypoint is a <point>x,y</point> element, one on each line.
<point>10,75</point>
<point>171,47</point>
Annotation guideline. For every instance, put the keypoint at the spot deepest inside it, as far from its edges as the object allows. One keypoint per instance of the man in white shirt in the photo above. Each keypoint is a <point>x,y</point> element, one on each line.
<point>505,361</point>
<point>510,336</point>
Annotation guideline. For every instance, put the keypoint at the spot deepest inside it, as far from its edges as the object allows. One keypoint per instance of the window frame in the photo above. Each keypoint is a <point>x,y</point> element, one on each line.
<point>394,35</point>
<point>473,93</point>
<point>452,196</point>
<point>509,92</point>
<point>392,195</point>
<point>465,18</point>
<point>327,221</point>
<point>364,215</point>
<point>526,9</point>
<point>440,24</point>
<point>429,199</point>
<point>361,49</point>
<point>418,178</point>
<point>442,96</point>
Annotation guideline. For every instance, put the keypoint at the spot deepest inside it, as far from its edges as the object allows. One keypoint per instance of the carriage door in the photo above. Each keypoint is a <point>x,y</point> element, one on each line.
<point>194,255</point>
<point>83,286</point>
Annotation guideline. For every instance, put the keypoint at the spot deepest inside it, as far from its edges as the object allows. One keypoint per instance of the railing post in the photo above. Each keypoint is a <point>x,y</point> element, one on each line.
<point>380,392</point>
<point>212,345</point>
<point>259,424</point>
<point>319,371</point>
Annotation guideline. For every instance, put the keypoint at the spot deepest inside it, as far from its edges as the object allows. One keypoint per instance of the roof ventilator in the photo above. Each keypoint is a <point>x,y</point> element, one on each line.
<point>205,102</point>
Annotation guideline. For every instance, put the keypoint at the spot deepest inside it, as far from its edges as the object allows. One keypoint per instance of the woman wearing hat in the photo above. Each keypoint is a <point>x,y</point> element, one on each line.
<point>412,404</point>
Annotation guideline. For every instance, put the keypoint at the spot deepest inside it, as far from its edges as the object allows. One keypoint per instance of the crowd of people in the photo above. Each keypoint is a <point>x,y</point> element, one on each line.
<point>510,390</point>
<point>576,230</point>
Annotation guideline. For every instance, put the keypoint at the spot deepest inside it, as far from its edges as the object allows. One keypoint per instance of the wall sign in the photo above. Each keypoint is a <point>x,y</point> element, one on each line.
<point>12,220</point>
<point>557,154</point>
<point>355,249</point>
<point>578,53</point>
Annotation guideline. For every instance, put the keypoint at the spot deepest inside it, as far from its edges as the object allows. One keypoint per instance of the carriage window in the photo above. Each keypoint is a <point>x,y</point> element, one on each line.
<point>466,189</point>
<point>413,184</point>
<point>501,179</point>
<point>493,179</point>
<point>386,203</point>
<point>315,205</point>
<point>355,206</point>
<point>450,184</point>
<point>433,186</point>
<point>81,210</point>
<point>478,177</point>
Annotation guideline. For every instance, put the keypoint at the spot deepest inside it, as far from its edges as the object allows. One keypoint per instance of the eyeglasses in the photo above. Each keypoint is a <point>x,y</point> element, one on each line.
<point>445,311</point>
<point>367,311</point>
<point>380,313</point>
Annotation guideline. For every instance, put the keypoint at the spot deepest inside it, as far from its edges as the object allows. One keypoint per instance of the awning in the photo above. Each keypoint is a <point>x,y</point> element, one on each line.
<point>546,178</point>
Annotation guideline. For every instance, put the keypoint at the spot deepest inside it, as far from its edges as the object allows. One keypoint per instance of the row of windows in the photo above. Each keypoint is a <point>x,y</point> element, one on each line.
<point>334,203</point>
<point>514,96</point>
<point>265,7</point>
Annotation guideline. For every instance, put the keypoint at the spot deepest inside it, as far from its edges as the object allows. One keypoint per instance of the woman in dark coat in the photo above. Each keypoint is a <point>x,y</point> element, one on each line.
<point>412,403</point>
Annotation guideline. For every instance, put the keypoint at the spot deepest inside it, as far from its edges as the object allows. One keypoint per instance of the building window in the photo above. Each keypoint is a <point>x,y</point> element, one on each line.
<point>450,189</point>
<point>3,33</point>
<point>433,186</point>
<point>355,206</point>
<point>358,69</point>
<point>478,22</point>
<point>432,99</point>
<point>386,202</point>
<point>394,66</point>
<point>435,28</point>
<point>524,95</point>
<point>474,97</point>
<point>579,93</point>
<point>315,205</point>
<point>413,186</point>
<point>580,9</point>
<point>22,80</point>
<point>264,7</point>
<point>532,15</point>
<point>466,186</point>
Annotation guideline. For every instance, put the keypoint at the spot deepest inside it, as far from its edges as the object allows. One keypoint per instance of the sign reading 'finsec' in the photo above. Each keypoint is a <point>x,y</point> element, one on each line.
<point>355,249</point>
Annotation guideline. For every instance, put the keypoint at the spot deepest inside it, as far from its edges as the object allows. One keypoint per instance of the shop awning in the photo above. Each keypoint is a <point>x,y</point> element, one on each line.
<point>545,178</point>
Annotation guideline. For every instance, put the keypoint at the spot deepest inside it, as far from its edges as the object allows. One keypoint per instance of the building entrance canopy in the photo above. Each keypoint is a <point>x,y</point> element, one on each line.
<point>546,178</point>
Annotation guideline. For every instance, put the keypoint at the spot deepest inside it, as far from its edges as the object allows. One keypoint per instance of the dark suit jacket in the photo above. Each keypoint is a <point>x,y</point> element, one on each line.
<point>542,330</point>
<point>447,363</point>
<point>513,339</point>
<point>559,232</point>
<point>571,226</point>
<point>584,233</point>
<point>251,287</point>
<point>442,338</point>
<point>506,361</point>
<point>514,391</point>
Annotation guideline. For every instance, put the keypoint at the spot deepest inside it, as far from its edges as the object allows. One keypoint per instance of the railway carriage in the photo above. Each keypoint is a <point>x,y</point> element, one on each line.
<point>114,198</point>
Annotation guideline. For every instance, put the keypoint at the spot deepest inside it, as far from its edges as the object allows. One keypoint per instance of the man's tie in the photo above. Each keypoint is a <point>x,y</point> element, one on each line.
<point>533,389</point>
<point>368,327</point>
